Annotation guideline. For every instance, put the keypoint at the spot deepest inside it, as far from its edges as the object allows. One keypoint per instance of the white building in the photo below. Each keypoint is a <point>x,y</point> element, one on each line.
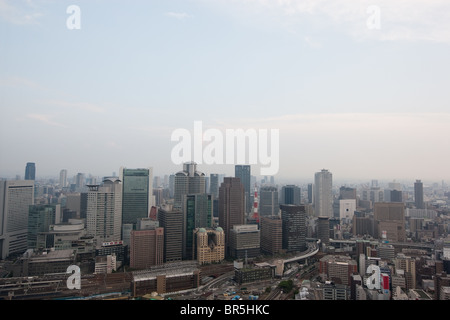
<point>323,197</point>
<point>105,264</point>
<point>15,198</point>
<point>347,208</point>
<point>104,211</point>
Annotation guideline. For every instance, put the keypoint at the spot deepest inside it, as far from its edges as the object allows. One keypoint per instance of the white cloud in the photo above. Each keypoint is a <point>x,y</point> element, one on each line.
<point>46,119</point>
<point>19,12</point>
<point>178,15</point>
<point>412,20</point>
<point>83,106</point>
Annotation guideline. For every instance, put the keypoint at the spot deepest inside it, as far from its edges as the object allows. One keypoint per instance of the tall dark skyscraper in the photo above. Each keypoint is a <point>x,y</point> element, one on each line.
<point>290,194</point>
<point>268,201</point>
<point>243,172</point>
<point>310,193</point>
<point>231,205</point>
<point>214,185</point>
<point>197,213</point>
<point>418,194</point>
<point>172,221</point>
<point>30,171</point>
<point>293,219</point>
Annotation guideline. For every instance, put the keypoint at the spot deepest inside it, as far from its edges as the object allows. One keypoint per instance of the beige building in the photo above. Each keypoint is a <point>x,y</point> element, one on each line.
<point>209,245</point>
<point>408,265</point>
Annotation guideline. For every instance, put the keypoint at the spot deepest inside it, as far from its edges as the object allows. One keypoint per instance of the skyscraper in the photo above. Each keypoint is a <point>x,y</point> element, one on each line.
<point>30,171</point>
<point>323,198</point>
<point>104,211</point>
<point>137,194</point>
<point>188,181</point>
<point>171,220</point>
<point>146,248</point>
<point>290,194</point>
<point>310,193</point>
<point>271,234</point>
<point>79,182</point>
<point>418,195</point>
<point>243,172</point>
<point>214,185</point>
<point>197,213</point>
<point>323,230</point>
<point>40,217</point>
<point>63,178</point>
<point>15,198</point>
<point>231,205</point>
<point>268,201</point>
<point>293,219</point>
<point>389,221</point>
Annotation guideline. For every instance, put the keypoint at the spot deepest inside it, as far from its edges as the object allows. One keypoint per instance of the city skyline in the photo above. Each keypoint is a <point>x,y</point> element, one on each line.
<point>364,101</point>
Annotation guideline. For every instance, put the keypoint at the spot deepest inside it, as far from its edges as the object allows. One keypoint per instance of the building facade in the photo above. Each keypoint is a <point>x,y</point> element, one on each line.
<point>293,219</point>
<point>231,206</point>
<point>15,199</point>
<point>209,245</point>
<point>323,198</point>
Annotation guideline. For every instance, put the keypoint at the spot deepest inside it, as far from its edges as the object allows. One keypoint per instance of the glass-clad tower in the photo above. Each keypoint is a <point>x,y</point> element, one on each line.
<point>137,194</point>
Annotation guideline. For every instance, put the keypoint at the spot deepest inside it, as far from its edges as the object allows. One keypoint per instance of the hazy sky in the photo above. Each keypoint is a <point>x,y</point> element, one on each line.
<point>361,88</point>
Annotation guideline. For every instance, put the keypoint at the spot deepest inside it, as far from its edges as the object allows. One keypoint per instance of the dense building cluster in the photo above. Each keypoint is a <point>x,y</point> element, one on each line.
<point>161,231</point>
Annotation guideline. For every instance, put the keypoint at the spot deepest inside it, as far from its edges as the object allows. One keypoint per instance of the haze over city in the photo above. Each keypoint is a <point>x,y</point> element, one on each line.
<point>364,102</point>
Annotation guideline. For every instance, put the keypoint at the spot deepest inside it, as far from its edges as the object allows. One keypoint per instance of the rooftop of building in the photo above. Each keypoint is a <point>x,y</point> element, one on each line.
<point>51,255</point>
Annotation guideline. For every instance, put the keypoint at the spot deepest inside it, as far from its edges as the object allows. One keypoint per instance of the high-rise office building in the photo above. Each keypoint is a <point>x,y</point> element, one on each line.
<point>290,194</point>
<point>418,195</point>
<point>80,182</point>
<point>271,235</point>
<point>245,241</point>
<point>243,172</point>
<point>231,205</point>
<point>104,211</point>
<point>347,208</point>
<point>15,198</point>
<point>40,218</point>
<point>310,193</point>
<point>214,185</point>
<point>323,197</point>
<point>146,247</point>
<point>188,181</point>
<point>396,196</point>
<point>293,219</point>
<point>323,230</point>
<point>346,193</point>
<point>30,171</point>
<point>389,221</point>
<point>197,213</point>
<point>63,178</point>
<point>137,194</point>
<point>171,219</point>
<point>268,201</point>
